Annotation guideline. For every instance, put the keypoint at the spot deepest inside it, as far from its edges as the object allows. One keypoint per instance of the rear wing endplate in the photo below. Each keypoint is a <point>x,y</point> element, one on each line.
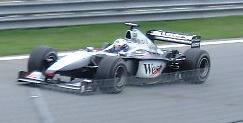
<point>173,37</point>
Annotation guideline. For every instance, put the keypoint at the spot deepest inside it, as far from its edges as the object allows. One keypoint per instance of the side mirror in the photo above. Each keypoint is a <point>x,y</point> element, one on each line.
<point>89,49</point>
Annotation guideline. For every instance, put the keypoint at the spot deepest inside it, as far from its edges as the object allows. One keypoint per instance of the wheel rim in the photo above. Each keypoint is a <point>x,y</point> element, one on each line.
<point>120,76</point>
<point>204,67</point>
<point>50,58</point>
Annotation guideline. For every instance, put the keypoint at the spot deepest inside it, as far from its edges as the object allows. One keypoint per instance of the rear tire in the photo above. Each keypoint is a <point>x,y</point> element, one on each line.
<point>197,66</point>
<point>111,74</point>
<point>41,58</point>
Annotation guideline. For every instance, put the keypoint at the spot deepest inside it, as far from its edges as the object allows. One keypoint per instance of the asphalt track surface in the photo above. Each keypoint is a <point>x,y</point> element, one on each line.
<point>219,100</point>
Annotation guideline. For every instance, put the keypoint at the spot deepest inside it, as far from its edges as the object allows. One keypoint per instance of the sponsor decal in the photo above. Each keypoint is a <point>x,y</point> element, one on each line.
<point>152,69</point>
<point>197,44</point>
<point>134,35</point>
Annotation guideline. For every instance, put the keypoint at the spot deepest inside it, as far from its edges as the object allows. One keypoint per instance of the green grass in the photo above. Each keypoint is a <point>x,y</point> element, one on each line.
<point>21,41</point>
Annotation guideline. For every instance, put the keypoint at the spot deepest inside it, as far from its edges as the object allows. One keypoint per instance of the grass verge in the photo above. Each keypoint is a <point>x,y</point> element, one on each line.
<point>21,41</point>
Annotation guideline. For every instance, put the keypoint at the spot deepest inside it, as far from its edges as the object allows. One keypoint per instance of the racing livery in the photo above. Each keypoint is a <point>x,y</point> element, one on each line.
<point>127,60</point>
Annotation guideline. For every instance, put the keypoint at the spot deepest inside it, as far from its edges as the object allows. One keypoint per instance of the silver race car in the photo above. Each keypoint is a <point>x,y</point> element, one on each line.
<point>134,59</point>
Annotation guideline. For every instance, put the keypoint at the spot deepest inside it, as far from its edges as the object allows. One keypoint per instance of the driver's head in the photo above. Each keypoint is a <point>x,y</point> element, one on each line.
<point>119,44</point>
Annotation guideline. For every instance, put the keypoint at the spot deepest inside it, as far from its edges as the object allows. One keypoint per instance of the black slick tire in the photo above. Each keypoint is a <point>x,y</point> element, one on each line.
<point>41,58</point>
<point>111,74</point>
<point>197,66</point>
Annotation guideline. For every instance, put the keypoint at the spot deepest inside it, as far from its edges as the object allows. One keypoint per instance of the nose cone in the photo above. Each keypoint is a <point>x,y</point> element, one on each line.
<point>73,61</point>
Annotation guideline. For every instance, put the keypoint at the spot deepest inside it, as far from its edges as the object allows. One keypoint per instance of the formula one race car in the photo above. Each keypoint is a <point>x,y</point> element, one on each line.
<point>130,60</point>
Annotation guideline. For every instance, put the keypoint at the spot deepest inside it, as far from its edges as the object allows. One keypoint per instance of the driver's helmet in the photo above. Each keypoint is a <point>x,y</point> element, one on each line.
<point>120,44</point>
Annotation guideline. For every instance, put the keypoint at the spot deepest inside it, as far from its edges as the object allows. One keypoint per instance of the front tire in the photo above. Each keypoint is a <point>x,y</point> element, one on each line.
<point>197,66</point>
<point>111,74</point>
<point>41,58</point>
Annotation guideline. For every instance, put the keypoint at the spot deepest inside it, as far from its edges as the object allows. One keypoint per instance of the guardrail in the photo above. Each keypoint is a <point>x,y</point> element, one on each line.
<point>65,13</point>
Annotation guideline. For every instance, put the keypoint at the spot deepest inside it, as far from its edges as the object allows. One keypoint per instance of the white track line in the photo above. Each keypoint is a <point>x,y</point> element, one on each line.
<point>19,57</point>
<point>6,58</point>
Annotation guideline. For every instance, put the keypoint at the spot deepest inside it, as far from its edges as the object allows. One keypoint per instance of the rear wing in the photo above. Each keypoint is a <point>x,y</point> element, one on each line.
<point>173,37</point>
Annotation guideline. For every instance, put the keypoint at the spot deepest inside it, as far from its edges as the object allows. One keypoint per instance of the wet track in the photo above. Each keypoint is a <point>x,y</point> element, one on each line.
<point>219,100</point>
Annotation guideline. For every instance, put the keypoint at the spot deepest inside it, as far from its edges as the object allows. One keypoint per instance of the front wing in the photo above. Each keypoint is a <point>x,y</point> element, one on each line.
<point>37,78</point>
